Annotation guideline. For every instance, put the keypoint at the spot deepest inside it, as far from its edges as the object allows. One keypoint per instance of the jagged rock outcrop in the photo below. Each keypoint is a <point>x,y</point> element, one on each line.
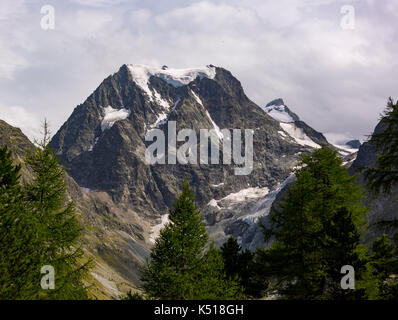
<point>293,126</point>
<point>103,144</point>
<point>383,207</point>
<point>113,160</point>
<point>355,144</point>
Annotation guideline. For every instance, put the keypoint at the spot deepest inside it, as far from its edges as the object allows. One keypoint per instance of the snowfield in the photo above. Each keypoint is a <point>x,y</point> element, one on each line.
<point>298,135</point>
<point>155,230</point>
<point>278,113</point>
<point>215,126</point>
<point>288,125</point>
<point>249,193</point>
<point>240,196</point>
<point>345,150</point>
<point>112,115</point>
<point>175,77</point>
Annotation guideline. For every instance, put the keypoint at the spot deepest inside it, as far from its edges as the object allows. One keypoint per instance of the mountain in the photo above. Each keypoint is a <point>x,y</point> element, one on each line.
<point>123,200</point>
<point>279,111</point>
<point>383,207</point>
<point>102,146</point>
<point>238,213</point>
<point>355,144</point>
<point>293,126</point>
<point>105,152</point>
<point>18,143</point>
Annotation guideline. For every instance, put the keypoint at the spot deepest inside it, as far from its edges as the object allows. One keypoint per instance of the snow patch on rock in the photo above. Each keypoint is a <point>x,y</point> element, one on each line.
<point>155,230</point>
<point>215,126</point>
<point>345,150</point>
<point>298,135</point>
<point>217,185</point>
<point>197,98</point>
<point>175,77</point>
<point>112,115</point>
<point>279,113</point>
<point>245,194</point>
<point>93,145</point>
<point>282,133</point>
<point>213,203</point>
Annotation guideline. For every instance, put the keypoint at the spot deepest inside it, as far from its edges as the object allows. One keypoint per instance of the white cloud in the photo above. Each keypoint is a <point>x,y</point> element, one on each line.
<point>338,138</point>
<point>336,80</point>
<point>98,3</point>
<point>20,118</point>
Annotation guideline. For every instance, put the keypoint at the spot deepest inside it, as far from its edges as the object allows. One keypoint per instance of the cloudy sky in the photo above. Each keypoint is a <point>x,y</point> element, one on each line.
<point>334,71</point>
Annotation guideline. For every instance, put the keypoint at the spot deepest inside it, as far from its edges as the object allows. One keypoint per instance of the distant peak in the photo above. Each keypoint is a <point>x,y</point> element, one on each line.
<point>354,144</point>
<point>277,102</point>
<point>280,112</point>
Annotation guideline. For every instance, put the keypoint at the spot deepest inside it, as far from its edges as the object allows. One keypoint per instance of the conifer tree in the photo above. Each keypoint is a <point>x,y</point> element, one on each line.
<point>316,231</point>
<point>58,228</point>
<point>240,264</point>
<point>384,173</point>
<point>231,252</point>
<point>384,263</point>
<point>213,282</point>
<point>179,267</point>
<point>19,262</point>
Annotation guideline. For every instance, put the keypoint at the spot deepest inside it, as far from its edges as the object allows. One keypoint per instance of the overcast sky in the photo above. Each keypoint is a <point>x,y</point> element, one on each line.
<point>336,79</point>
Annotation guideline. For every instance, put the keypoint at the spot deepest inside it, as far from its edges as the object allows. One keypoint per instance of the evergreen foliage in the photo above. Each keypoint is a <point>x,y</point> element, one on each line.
<point>316,231</point>
<point>240,264</point>
<point>384,173</point>
<point>179,266</point>
<point>384,263</point>
<point>58,227</point>
<point>38,227</point>
<point>19,262</point>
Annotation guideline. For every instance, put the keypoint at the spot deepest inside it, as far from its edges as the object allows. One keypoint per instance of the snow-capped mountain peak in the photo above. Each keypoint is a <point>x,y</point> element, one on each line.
<point>280,112</point>
<point>175,77</point>
<point>292,126</point>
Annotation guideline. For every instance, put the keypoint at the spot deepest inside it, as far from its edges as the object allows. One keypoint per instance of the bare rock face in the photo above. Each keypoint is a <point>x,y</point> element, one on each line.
<point>383,207</point>
<point>355,144</point>
<point>113,160</point>
<point>18,143</point>
<point>125,200</point>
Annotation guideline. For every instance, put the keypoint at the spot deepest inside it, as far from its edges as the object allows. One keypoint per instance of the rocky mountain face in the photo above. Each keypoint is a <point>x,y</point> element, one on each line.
<point>292,124</point>
<point>110,156</point>
<point>123,200</point>
<point>354,144</point>
<point>18,143</point>
<point>238,214</point>
<point>383,207</point>
<point>103,144</point>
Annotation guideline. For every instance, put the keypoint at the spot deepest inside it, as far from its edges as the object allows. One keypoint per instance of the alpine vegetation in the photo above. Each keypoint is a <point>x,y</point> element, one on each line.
<point>181,267</point>
<point>39,230</point>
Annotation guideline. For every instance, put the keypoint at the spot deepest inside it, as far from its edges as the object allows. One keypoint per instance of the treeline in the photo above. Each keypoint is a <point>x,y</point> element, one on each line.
<point>39,230</point>
<point>315,235</point>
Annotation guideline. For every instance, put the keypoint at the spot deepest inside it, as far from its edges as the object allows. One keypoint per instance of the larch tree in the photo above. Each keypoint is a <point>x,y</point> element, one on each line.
<point>180,267</point>
<point>315,231</point>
